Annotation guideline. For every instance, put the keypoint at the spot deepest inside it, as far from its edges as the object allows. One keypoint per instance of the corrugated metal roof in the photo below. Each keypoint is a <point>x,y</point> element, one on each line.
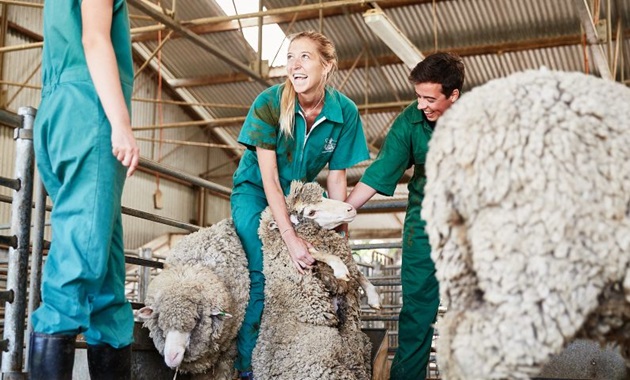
<point>494,37</point>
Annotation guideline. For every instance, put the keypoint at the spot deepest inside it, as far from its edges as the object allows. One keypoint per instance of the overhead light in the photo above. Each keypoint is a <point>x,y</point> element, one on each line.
<point>383,27</point>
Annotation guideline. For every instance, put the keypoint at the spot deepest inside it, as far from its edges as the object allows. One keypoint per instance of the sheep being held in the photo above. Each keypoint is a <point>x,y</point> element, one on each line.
<point>527,206</point>
<point>310,327</point>
<point>195,306</point>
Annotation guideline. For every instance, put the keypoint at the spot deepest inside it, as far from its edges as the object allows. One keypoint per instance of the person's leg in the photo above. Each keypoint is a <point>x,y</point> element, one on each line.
<point>75,145</point>
<point>110,332</point>
<point>111,318</point>
<point>420,305</point>
<point>51,356</point>
<point>70,135</point>
<point>108,363</point>
<point>246,212</point>
<point>65,138</point>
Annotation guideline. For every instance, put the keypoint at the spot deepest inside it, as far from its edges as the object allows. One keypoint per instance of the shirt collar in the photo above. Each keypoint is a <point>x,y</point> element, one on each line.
<point>332,108</point>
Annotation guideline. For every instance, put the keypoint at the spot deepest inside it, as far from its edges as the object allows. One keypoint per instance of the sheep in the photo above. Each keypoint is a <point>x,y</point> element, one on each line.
<point>195,306</point>
<point>527,204</point>
<point>310,327</point>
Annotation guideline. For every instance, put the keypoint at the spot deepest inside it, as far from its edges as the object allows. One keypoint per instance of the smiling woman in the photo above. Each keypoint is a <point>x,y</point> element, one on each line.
<point>311,63</point>
<point>292,131</point>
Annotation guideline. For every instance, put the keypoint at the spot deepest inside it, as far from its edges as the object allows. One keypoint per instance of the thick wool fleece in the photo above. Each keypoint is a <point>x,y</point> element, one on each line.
<point>311,325</point>
<point>206,271</point>
<point>528,212</point>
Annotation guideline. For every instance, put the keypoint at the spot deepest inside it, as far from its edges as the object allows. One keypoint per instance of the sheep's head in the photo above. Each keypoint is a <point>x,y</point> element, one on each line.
<point>306,201</point>
<point>180,311</point>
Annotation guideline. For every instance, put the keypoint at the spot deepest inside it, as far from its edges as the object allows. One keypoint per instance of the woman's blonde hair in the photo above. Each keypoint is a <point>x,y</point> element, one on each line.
<point>327,56</point>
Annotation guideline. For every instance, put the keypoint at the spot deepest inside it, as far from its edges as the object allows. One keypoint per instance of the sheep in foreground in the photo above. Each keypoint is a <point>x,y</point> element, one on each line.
<point>311,326</point>
<point>527,206</point>
<point>195,306</point>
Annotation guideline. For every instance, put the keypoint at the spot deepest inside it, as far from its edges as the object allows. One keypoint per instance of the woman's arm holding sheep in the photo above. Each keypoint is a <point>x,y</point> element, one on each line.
<point>298,248</point>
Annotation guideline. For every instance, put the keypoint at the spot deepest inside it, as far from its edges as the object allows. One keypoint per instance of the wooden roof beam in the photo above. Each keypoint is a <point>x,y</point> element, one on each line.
<point>593,39</point>
<point>390,59</point>
<point>273,16</point>
<point>197,40</point>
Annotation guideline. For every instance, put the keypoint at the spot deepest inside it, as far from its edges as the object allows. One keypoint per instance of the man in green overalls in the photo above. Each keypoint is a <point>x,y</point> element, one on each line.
<point>83,142</point>
<point>438,81</point>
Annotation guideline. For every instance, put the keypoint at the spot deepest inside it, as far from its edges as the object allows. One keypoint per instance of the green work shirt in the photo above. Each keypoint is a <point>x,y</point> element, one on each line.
<point>336,139</point>
<point>406,145</point>
<point>65,62</point>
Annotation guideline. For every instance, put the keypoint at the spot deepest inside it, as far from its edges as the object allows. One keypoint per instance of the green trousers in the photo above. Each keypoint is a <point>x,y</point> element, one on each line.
<point>246,210</point>
<point>420,304</point>
<point>84,273</point>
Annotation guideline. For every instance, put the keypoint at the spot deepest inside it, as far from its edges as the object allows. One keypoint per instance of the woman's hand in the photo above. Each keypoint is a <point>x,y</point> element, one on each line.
<point>298,250</point>
<point>125,148</point>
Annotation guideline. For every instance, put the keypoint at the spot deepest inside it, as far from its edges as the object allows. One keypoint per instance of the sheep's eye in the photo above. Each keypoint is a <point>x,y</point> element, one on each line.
<point>312,213</point>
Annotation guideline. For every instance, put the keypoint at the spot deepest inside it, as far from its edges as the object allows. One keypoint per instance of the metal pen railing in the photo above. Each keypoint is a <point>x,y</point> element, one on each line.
<point>22,210</point>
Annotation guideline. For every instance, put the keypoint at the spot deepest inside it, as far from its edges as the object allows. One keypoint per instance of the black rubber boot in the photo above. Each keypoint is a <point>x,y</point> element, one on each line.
<point>51,357</point>
<point>108,363</point>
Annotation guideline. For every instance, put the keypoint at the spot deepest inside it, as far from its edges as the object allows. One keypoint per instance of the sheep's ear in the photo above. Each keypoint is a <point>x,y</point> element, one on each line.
<point>222,314</point>
<point>145,313</point>
<point>294,219</point>
<point>295,186</point>
<point>272,225</point>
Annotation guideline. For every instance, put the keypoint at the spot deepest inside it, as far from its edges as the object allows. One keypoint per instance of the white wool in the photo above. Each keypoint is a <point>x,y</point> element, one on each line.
<point>527,208</point>
<point>311,326</point>
<point>205,279</point>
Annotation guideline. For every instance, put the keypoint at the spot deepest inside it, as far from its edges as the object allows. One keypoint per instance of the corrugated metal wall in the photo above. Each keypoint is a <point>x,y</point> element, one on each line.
<point>180,201</point>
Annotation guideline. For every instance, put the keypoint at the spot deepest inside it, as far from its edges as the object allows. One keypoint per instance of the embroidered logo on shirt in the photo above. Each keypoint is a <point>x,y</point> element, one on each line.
<point>329,145</point>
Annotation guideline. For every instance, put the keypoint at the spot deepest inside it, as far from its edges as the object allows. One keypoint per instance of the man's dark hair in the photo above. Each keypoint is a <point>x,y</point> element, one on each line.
<point>444,68</point>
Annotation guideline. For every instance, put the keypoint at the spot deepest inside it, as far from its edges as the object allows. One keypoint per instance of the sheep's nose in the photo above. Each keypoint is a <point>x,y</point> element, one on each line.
<point>350,208</point>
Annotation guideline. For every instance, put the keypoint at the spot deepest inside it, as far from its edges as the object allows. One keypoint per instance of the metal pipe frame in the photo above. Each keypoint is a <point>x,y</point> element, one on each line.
<point>15,311</point>
<point>10,241</point>
<point>163,169</point>
<point>11,183</point>
<point>39,244</point>
<point>359,247</point>
<point>126,211</point>
<point>145,274</point>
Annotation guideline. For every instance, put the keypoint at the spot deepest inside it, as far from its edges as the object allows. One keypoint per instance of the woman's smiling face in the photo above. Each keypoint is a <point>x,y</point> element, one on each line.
<point>305,68</point>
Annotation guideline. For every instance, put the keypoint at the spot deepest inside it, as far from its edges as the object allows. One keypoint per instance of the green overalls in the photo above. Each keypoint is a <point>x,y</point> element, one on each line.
<point>84,274</point>
<point>335,139</point>
<point>406,145</point>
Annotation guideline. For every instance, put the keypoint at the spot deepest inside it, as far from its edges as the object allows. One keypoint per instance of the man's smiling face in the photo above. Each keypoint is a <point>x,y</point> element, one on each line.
<point>432,101</point>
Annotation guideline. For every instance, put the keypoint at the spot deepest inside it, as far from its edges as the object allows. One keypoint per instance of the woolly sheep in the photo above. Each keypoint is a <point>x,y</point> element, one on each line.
<point>195,306</point>
<point>310,328</point>
<point>527,204</point>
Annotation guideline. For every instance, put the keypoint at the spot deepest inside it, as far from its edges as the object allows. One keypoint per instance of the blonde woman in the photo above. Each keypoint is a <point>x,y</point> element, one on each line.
<point>292,131</point>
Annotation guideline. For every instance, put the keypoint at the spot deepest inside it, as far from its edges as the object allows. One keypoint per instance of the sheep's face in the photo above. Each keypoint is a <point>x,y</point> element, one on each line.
<point>327,213</point>
<point>181,315</point>
<point>306,201</point>
<point>179,311</point>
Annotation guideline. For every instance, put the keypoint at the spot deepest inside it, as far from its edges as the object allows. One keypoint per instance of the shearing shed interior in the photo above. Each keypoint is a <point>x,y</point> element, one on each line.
<point>199,65</point>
